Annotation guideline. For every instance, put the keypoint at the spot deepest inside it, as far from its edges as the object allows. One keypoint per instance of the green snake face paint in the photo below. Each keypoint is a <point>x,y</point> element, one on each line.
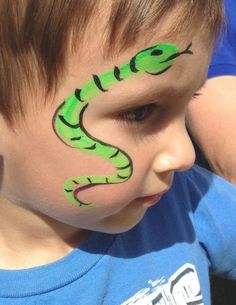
<point>68,118</point>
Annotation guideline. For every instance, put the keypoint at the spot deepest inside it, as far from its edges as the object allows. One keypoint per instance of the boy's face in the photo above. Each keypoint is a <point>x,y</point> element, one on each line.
<point>143,116</point>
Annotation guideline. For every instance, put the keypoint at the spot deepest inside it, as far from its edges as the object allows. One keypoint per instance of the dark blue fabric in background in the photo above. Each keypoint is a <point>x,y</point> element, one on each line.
<point>224,58</point>
<point>223,63</point>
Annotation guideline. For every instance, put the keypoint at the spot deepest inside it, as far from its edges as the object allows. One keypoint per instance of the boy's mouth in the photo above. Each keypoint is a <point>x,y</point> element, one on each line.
<point>152,199</point>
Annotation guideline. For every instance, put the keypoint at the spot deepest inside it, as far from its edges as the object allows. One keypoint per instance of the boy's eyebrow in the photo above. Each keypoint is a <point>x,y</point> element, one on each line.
<point>151,97</point>
<point>137,100</point>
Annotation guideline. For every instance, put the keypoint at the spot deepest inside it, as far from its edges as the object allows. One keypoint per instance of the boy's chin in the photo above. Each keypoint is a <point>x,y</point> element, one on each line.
<point>119,230</point>
<point>114,226</point>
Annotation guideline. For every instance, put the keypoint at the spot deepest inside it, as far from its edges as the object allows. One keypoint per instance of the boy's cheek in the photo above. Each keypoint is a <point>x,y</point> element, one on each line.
<point>42,174</point>
<point>43,163</point>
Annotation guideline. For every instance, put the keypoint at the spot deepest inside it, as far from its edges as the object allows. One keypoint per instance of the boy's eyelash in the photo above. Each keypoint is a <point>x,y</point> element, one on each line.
<point>138,115</point>
<point>196,95</point>
<point>141,114</point>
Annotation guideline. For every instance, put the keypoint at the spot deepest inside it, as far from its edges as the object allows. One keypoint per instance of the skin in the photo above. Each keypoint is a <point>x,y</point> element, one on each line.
<point>68,119</point>
<point>216,137</point>
<point>34,210</point>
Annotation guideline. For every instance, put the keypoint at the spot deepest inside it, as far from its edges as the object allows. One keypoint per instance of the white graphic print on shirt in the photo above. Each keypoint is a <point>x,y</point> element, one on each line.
<point>182,288</point>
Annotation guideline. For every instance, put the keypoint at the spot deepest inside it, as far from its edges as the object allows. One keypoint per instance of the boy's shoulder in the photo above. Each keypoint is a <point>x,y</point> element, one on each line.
<point>206,196</point>
<point>203,184</point>
<point>210,202</point>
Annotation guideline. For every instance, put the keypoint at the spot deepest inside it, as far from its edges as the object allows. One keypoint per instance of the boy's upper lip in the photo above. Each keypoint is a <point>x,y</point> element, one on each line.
<point>157,194</point>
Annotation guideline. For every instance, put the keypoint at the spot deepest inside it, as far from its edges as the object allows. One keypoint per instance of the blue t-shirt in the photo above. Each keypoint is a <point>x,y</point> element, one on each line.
<point>224,57</point>
<point>163,260</point>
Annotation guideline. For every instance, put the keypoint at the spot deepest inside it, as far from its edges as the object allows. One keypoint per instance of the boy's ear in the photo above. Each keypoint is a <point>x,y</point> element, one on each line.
<point>4,130</point>
<point>1,171</point>
<point>2,137</point>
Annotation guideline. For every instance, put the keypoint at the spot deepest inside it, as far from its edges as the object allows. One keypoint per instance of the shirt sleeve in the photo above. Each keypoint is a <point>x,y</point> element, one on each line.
<point>214,217</point>
<point>224,56</point>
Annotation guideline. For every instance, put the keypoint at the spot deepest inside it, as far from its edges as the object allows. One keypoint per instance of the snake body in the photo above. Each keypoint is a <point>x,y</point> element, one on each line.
<point>68,118</point>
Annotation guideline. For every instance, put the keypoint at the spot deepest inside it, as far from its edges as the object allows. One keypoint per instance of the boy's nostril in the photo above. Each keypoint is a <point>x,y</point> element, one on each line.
<point>156,52</point>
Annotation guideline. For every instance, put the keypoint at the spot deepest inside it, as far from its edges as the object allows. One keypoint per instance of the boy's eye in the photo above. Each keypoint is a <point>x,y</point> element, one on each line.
<point>138,115</point>
<point>196,95</point>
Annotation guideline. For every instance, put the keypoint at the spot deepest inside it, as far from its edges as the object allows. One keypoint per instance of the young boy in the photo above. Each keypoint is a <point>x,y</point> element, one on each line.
<point>93,102</point>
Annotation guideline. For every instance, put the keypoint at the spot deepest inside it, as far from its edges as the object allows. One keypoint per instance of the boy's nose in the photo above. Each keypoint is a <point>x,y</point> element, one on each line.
<point>177,154</point>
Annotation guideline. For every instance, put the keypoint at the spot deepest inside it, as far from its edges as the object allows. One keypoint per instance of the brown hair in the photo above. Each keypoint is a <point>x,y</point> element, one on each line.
<point>35,36</point>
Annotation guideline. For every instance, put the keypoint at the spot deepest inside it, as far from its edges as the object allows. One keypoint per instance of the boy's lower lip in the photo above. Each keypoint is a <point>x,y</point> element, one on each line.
<point>151,200</point>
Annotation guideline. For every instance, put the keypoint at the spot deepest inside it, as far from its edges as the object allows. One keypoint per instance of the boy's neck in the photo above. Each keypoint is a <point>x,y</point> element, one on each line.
<point>29,239</point>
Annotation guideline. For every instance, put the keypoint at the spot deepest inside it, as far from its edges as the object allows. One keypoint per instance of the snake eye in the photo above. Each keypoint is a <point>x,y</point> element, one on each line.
<point>156,52</point>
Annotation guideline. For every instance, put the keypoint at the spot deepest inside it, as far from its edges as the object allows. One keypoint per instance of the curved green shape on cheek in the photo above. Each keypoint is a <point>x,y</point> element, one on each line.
<point>68,118</point>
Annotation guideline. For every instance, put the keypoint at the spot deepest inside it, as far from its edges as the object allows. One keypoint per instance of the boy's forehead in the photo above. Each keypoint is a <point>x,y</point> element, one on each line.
<point>187,71</point>
<point>146,89</point>
<point>182,74</point>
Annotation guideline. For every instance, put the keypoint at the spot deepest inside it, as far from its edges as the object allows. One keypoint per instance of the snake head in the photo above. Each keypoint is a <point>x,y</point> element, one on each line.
<point>157,59</point>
